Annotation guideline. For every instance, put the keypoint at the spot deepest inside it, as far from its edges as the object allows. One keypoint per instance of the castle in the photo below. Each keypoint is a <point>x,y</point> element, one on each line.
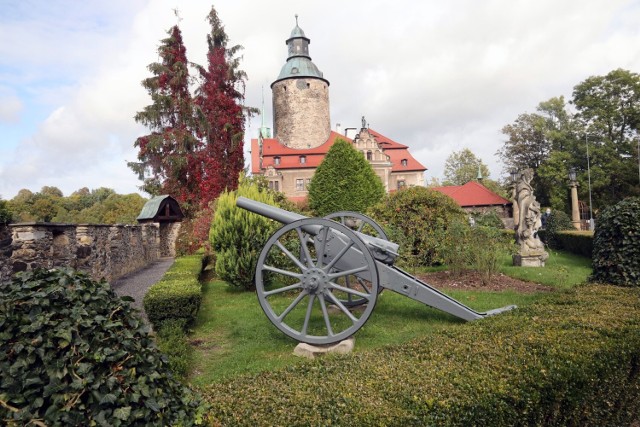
<point>303,135</point>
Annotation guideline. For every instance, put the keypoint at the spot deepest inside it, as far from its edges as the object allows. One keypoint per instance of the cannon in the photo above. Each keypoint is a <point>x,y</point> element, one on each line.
<point>318,279</point>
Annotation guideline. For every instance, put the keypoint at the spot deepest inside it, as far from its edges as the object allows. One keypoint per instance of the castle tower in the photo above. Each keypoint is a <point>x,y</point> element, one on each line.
<point>300,98</point>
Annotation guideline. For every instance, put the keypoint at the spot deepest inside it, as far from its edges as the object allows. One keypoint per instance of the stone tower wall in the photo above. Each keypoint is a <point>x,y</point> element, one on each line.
<point>301,112</point>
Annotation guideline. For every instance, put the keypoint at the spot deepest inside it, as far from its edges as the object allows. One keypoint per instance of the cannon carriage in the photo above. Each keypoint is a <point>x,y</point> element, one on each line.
<point>318,279</point>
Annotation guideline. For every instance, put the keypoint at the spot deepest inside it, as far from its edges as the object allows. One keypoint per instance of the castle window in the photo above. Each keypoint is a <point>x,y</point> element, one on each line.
<point>274,185</point>
<point>299,184</point>
<point>303,160</point>
<point>401,184</point>
<point>369,155</point>
<point>276,160</point>
<point>404,162</point>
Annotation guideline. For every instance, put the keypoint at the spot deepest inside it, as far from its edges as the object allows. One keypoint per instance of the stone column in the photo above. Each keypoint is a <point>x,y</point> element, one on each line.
<point>575,211</point>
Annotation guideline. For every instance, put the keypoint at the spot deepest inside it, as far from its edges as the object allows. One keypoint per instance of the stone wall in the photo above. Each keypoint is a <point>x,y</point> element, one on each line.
<point>102,251</point>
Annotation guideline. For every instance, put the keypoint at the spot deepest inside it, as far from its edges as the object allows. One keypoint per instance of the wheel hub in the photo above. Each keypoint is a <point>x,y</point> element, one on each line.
<point>314,280</point>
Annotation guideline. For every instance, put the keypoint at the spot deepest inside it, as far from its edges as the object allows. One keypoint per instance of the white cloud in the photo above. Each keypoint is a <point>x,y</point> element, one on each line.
<point>435,76</point>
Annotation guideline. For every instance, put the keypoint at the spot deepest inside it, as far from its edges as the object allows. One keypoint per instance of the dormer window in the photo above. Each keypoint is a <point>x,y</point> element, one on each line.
<point>303,160</point>
<point>276,160</point>
<point>404,162</point>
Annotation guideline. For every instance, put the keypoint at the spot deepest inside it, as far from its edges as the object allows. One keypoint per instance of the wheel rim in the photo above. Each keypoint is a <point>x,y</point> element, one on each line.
<point>299,294</point>
<point>359,222</point>
<point>362,224</point>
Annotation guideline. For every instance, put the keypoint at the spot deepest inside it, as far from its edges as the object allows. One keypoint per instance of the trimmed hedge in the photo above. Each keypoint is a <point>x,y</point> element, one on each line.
<point>571,359</point>
<point>576,242</point>
<point>72,353</point>
<point>177,296</point>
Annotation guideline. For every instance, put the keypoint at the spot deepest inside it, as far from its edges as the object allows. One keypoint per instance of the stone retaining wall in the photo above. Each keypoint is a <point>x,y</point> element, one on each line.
<point>102,251</point>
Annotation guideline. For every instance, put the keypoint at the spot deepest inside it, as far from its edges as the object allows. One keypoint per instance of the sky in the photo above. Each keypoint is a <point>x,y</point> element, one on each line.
<point>436,76</point>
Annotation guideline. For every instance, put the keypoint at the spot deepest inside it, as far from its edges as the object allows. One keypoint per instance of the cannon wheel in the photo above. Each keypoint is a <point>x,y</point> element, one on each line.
<point>295,292</point>
<point>362,224</point>
<point>359,222</point>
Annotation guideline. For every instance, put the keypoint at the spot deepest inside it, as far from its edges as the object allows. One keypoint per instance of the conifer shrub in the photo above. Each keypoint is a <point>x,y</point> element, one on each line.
<point>616,244</point>
<point>237,236</point>
<point>73,353</point>
<point>344,181</point>
<point>423,216</point>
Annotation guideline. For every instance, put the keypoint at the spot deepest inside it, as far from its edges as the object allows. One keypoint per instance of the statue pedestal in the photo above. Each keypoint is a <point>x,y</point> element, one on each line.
<point>530,260</point>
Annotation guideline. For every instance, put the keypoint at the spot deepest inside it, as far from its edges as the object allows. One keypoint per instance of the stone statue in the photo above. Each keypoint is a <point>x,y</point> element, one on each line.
<point>531,252</point>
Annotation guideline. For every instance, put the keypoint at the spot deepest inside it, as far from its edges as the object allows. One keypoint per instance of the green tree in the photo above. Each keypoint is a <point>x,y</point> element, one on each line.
<point>5,213</point>
<point>462,166</point>
<point>237,235</point>
<point>344,181</point>
<point>608,107</point>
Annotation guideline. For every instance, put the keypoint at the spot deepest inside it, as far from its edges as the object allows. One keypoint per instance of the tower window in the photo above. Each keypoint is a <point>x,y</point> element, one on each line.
<point>299,184</point>
<point>303,160</point>
<point>308,85</point>
<point>401,184</point>
<point>403,162</point>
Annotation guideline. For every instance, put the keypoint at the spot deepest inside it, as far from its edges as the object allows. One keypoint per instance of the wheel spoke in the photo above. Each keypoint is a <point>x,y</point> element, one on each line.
<point>347,272</point>
<point>281,271</point>
<point>280,290</point>
<point>303,243</point>
<point>290,255</point>
<point>292,305</point>
<point>325,314</point>
<point>337,257</point>
<point>349,290</point>
<point>308,314</point>
<point>344,309</point>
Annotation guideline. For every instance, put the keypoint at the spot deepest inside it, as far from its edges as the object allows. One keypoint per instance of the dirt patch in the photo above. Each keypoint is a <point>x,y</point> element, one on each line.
<point>471,280</point>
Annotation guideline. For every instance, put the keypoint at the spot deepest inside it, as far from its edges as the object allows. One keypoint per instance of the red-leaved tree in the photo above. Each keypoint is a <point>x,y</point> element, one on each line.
<point>169,157</point>
<point>220,114</point>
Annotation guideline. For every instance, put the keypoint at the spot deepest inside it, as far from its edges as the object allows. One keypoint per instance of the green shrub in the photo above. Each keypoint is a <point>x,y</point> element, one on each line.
<point>457,253</point>
<point>572,359</point>
<point>423,216</point>
<point>577,242</point>
<point>344,180</point>
<point>488,219</point>
<point>237,235</point>
<point>558,221</point>
<point>486,246</point>
<point>5,213</point>
<point>73,353</point>
<point>177,295</point>
<point>616,244</point>
<point>173,342</point>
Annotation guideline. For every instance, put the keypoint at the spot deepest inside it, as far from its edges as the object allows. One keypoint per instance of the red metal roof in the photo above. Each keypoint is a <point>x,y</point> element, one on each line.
<point>290,157</point>
<point>472,194</point>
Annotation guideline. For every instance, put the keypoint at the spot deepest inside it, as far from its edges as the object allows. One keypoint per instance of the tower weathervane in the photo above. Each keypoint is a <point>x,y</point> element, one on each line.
<point>296,19</point>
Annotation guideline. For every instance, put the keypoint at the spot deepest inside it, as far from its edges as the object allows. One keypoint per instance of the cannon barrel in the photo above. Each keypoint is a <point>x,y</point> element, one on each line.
<point>382,250</point>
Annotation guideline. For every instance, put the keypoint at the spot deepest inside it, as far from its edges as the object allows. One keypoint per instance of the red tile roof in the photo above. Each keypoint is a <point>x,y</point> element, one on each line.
<point>397,152</point>
<point>290,157</point>
<point>472,194</point>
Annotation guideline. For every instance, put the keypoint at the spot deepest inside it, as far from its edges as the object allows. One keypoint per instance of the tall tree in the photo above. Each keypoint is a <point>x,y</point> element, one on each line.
<point>169,153</point>
<point>344,180</point>
<point>608,108</point>
<point>462,166</point>
<point>220,114</point>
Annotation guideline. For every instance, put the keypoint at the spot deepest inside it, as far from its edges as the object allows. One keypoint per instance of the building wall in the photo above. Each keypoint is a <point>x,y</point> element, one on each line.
<point>102,251</point>
<point>301,112</point>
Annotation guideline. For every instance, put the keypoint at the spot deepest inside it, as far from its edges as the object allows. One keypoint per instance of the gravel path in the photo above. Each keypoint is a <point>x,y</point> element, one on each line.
<point>137,283</point>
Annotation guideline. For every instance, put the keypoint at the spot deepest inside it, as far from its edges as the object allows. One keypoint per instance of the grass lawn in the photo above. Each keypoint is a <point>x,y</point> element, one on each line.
<point>233,336</point>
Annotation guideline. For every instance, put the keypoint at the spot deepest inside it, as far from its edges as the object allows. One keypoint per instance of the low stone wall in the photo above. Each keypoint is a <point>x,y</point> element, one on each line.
<point>102,251</point>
